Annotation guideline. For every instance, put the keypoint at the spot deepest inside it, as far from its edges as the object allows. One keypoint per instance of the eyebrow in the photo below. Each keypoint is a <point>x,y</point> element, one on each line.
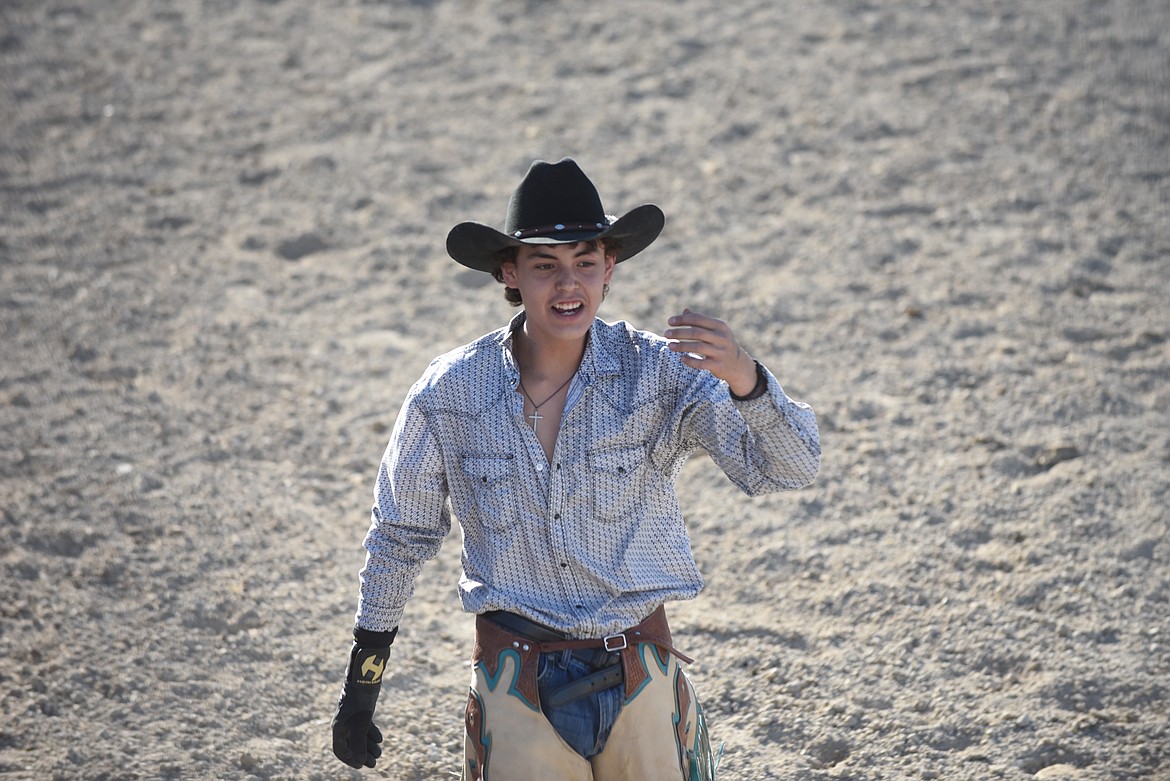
<point>583,248</point>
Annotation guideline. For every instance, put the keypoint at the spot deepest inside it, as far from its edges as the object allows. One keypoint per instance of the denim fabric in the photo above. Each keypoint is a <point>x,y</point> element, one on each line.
<point>584,724</point>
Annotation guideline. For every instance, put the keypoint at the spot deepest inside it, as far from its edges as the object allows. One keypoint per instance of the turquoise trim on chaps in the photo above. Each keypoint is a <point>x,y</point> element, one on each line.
<point>704,762</point>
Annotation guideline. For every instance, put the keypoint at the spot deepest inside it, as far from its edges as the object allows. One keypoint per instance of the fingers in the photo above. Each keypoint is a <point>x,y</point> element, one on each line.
<point>351,757</point>
<point>702,335</point>
<point>373,750</point>
<point>693,319</point>
<point>346,742</point>
<point>707,343</point>
<point>356,746</point>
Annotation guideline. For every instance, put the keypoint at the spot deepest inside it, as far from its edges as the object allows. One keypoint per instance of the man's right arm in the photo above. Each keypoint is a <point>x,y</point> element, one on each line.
<point>409,521</point>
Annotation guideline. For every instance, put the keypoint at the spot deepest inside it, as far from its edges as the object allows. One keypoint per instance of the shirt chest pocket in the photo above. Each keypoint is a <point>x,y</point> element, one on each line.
<point>491,483</point>
<point>618,482</point>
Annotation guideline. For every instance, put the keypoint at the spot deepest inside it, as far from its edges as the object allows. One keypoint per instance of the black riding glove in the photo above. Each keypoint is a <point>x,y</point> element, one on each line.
<point>355,738</point>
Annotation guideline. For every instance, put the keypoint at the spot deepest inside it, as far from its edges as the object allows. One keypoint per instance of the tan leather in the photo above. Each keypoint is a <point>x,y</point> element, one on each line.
<point>654,738</point>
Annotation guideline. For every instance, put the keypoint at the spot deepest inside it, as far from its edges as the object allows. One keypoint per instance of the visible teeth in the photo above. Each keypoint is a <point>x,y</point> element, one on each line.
<point>566,307</point>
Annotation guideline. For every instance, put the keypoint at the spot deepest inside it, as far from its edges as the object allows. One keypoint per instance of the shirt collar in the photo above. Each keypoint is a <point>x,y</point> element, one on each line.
<point>510,367</point>
<point>599,359</point>
<point>599,352</point>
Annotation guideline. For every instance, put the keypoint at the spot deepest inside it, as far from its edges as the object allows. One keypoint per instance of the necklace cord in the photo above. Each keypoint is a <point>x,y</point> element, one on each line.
<point>536,407</point>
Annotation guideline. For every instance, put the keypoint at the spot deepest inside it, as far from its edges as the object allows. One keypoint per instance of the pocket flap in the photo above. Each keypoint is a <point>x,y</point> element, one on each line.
<point>487,469</point>
<point>623,461</point>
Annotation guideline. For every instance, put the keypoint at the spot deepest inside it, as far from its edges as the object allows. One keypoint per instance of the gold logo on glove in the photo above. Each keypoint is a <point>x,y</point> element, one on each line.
<point>372,666</point>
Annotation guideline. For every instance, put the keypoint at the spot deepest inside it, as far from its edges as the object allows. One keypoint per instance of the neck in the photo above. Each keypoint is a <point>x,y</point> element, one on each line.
<point>547,359</point>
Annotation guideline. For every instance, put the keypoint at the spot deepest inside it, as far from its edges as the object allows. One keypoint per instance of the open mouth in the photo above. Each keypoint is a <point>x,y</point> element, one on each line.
<point>568,310</point>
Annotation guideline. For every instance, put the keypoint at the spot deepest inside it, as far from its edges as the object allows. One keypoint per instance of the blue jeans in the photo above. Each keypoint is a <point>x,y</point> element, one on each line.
<point>585,723</point>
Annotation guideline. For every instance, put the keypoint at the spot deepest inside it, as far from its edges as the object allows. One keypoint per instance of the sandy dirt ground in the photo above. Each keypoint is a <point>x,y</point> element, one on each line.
<point>943,224</point>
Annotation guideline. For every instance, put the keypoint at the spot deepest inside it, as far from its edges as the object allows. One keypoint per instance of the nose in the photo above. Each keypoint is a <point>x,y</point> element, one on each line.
<point>566,279</point>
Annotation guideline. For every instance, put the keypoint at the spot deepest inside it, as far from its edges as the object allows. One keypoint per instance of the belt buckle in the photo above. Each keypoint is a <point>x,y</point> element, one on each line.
<point>615,639</point>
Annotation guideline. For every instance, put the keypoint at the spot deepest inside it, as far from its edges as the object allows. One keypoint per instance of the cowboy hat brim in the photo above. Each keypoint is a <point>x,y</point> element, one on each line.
<point>475,245</point>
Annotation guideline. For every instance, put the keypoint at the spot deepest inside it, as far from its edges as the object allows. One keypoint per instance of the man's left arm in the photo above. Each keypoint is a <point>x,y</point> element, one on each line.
<point>780,447</point>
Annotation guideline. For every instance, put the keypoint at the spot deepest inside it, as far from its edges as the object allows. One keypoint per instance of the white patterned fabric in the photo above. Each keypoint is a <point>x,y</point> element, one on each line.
<point>594,541</point>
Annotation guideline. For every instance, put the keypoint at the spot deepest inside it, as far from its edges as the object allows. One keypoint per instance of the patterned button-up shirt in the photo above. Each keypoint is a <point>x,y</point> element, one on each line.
<point>593,541</point>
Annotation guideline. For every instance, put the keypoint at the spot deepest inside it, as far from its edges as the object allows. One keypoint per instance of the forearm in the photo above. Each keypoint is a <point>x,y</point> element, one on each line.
<point>395,554</point>
<point>408,523</point>
<point>780,448</point>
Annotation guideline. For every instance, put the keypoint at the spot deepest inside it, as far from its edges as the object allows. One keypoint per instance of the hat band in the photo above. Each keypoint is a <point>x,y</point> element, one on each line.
<point>548,230</point>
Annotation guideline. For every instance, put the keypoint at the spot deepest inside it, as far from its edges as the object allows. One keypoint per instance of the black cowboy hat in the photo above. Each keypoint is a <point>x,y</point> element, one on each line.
<point>555,204</point>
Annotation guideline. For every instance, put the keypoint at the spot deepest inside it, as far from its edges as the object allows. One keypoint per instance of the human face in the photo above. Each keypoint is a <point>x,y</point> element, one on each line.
<point>562,286</point>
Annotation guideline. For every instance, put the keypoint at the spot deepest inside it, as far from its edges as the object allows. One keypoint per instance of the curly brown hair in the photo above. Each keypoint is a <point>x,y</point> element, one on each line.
<point>509,255</point>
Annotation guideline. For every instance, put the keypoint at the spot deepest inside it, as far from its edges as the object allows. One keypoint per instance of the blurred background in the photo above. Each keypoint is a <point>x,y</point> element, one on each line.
<point>944,225</point>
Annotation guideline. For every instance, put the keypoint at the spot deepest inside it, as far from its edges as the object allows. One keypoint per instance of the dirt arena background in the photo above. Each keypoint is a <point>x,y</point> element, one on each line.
<point>943,224</point>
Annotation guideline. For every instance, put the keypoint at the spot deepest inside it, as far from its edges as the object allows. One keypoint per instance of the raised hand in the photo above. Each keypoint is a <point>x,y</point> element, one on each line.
<point>708,343</point>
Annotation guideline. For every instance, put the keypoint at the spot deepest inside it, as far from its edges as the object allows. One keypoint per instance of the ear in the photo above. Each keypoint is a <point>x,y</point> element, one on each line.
<point>610,262</point>
<point>508,272</point>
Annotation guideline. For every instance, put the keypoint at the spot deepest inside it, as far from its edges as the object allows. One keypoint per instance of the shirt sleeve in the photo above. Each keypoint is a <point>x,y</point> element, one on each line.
<point>410,518</point>
<point>764,444</point>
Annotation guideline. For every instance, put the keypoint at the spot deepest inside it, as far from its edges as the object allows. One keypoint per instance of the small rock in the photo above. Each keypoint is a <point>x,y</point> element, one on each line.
<point>248,762</point>
<point>148,483</point>
<point>827,751</point>
<point>322,163</point>
<point>170,223</point>
<point>83,353</point>
<point>1048,457</point>
<point>305,244</point>
<point>254,178</point>
<point>249,619</point>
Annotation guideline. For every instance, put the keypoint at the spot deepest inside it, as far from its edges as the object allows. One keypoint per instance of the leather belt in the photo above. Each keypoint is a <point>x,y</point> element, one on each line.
<point>608,674</point>
<point>497,630</point>
<point>545,635</point>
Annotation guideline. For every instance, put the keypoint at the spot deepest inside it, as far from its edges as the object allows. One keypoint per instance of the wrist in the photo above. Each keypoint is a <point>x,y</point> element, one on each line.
<point>366,666</point>
<point>760,387</point>
<point>371,639</point>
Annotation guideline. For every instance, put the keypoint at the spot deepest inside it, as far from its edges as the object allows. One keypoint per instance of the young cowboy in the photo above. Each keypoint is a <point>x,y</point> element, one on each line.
<point>555,441</point>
